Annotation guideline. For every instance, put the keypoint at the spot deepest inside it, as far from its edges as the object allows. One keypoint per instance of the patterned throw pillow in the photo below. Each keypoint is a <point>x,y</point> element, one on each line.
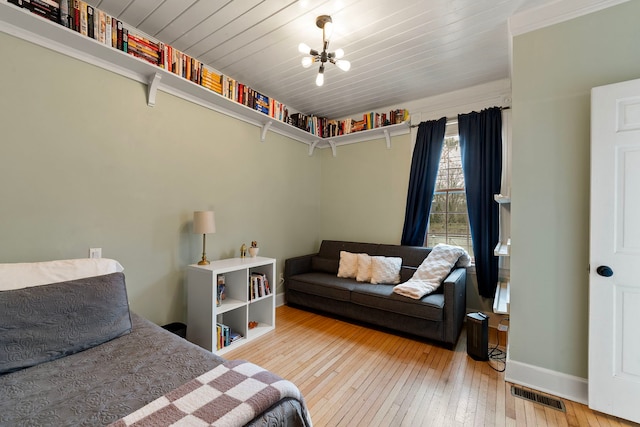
<point>385,269</point>
<point>364,268</point>
<point>348,267</point>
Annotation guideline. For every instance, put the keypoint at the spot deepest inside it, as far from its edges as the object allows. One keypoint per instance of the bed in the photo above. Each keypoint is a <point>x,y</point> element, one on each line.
<point>72,353</point>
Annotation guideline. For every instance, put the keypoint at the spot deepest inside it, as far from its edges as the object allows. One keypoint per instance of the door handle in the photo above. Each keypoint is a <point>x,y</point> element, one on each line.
<point>604,271</point>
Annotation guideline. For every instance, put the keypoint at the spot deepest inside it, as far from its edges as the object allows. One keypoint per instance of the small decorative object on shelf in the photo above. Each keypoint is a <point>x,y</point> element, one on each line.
<point>243,251</point>
<point>252,324</point>
<point>253,250</point>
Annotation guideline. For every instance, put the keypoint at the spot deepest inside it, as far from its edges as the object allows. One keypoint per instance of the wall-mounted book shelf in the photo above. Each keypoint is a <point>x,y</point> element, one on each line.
<point>30,27</point>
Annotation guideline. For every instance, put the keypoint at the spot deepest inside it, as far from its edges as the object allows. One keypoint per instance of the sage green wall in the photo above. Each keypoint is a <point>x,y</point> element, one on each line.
<point>84,162</point>
<point>364,190</point>
<point>554,71</point>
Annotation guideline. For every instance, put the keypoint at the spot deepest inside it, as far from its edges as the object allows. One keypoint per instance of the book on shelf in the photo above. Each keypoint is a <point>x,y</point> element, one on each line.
<point>125,39</point>
<point>233,336</point>
<point>83,18</point>
<point>90,22</point>
<point>65,17</point>
<point>210,80</point>
<point>143,48</point>
<point>119,34</point>
<point>258,286</point>
<point>74,15</point>
<point>225,336</point>
<point>101,20</point>
<point>47,9</point>
<point>114,33</point>
<point>220,291</point>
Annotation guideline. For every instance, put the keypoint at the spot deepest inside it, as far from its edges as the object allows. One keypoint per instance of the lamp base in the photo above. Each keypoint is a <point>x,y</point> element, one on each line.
<point>204,260</point>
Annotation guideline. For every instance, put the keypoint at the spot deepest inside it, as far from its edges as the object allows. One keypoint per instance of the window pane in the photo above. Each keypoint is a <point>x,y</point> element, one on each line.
<point>434,239</point>
<point>439,204</point>
<point>449,221</point>
<point>457,203</point>
<point>438,224</point>
<point>457,224</point>
<point>456,179</point>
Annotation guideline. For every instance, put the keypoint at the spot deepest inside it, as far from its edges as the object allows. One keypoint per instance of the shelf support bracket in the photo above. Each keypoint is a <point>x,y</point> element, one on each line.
<point>313,146</point>
<point>333,147</point>
<point>152,89</point>
<point>265,128</point>
<point>388,138</point>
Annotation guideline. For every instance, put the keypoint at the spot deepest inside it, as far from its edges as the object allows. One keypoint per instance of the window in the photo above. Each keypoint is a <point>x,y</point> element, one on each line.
<point>448,219</point>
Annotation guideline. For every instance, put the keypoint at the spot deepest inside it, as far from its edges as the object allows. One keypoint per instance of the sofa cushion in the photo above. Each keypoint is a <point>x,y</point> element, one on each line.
<point>411,255</point>
<point>406,273</point>
<point>331,248</point>
<point>382,297</point>
<point>325,265</point>
<point>323,284</point>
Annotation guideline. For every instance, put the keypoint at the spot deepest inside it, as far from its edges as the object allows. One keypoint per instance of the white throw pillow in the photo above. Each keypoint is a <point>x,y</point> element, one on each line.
<point>25,274</point>
<point>385,269</point>
<point>348,267</point>
<point>364,268</point>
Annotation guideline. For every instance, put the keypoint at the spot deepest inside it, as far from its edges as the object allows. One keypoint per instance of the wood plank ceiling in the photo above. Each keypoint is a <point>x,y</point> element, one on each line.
<point>399,51</point>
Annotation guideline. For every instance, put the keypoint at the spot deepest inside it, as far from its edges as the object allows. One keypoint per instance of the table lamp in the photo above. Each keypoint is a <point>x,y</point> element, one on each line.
<point>204,222</point>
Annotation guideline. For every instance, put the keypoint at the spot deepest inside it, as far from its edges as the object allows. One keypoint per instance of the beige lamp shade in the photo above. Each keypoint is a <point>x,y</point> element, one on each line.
<point>204,222</point>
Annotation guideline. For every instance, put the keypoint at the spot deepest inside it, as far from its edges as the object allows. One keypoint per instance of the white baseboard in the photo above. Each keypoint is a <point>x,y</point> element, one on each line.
<point>547,381</point>
<point>280,299</point>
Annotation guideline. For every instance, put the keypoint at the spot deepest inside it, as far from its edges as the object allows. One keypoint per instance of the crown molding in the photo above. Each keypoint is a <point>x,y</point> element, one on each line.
<point>554,13</point>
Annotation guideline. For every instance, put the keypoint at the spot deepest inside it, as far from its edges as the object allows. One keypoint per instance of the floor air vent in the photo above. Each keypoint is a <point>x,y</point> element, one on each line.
<point>538,398</point>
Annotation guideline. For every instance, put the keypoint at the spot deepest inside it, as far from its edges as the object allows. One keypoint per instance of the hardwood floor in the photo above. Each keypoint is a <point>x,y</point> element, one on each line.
<point>352,375</point>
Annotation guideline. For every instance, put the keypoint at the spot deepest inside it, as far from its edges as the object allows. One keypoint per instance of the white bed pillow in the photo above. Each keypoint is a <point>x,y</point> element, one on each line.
<point>25,274</point>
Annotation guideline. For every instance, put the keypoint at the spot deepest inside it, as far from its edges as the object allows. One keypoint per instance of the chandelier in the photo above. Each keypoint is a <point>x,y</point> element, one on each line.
<point>323,22</point>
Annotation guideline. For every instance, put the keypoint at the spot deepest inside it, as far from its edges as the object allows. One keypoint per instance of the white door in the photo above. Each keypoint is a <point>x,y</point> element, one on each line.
<point>614,279</point>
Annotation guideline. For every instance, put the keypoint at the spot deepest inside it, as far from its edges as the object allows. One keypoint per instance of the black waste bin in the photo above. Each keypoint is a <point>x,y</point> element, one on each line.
<point>177,328</point>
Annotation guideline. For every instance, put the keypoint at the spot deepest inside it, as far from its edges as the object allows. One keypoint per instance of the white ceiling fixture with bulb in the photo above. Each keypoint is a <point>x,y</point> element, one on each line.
<point>325,23</point>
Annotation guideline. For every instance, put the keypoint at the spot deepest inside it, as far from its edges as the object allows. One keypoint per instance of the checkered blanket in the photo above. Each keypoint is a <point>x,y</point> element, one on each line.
<point>231,394</point>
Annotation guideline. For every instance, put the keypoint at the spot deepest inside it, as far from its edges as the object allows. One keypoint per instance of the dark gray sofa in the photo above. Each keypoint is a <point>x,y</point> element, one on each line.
<point>311,281</point>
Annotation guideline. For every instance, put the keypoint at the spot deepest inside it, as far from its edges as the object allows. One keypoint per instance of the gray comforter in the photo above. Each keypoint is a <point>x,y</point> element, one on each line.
<point>104,383</point>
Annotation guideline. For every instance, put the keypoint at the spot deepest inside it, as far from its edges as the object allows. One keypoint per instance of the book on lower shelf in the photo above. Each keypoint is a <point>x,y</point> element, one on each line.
<point>225,336</point>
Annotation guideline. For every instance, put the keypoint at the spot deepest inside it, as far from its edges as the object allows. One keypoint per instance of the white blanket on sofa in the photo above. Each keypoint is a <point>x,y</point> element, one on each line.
<point>433,270</point>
